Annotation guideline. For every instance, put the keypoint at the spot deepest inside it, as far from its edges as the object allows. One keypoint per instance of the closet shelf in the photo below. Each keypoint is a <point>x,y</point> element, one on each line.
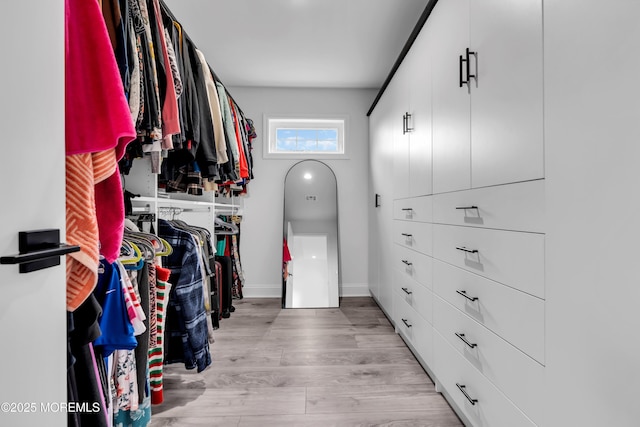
<point>166,201</point>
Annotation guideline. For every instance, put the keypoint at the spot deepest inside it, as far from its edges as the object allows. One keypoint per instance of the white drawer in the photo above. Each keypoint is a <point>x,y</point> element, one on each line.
<point>513,258</point>
<point>414,329</point>
<point>415,235</point>
<point>415,295</point>
<point>415,265</point>
<point>492,408</point>
<point>515,316</point>
<point>518,376</point>
<point>414,209</point>
<point>519,206</point>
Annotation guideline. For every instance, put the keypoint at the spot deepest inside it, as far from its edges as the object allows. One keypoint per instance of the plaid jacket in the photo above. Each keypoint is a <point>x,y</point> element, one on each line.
<point>186,321</point>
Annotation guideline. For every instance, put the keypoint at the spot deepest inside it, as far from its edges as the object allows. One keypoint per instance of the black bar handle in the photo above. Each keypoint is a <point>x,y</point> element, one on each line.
<point>462,82</point>
<point>407,235</point>
<point>469,75</point>
<point>407,291</point>
<point>39,249</point>
<point>462,387</point>
<point>407,209</point>
<point>404,124</point>
<point>407,263</point>
<point>466,208</point>
<point>408,116</point>
<point>463,249</point>
<point>462,337</point>
<point>464,294</point>
<point>60,250</point>
<point>468,65</point>
<point>407,324</point>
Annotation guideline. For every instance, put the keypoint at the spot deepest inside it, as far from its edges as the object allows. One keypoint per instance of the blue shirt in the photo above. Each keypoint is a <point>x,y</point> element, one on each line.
<point>117,331</point>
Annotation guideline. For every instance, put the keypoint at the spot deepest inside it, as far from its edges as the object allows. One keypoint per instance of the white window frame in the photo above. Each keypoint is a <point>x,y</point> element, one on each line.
<point>272,122</point>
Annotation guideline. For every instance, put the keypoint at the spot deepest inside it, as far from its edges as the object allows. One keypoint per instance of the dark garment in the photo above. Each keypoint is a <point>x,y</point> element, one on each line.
<point>161,72</point>
<point>206,155</point>
<point>142,350</point>
<point>186,315</point>
<point>227,283</point>
<point>150,121</point>
<point>89,387</point>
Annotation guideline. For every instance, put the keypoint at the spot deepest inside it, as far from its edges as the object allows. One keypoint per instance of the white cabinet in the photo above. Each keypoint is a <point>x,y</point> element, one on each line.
<point>487,93</point>
<point>419,123</point>
<point>399,106</point>
<point>411,93</point>
<point>381,207</point>
<point>463,115</point>
<point>506,102</point>
<point>449,23</point>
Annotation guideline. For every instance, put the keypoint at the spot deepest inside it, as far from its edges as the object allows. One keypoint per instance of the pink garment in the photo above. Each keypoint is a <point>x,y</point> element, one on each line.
<point>97,113</point>
<point>97,117</point>
<point>110,215</point>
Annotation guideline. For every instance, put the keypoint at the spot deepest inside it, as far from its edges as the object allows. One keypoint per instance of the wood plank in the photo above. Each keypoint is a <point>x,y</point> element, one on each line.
<point>327,400</point>
<point>397,356</point>
<point>408,419</point>
<point>211,402</point>
<point>307,376</point>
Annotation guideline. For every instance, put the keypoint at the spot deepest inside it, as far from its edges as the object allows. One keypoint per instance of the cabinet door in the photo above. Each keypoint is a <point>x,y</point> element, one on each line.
<point>449,24</point>
<point>376,166</point>
<point>506,104</point>
<point>398,109</point>
<point>420,137</point>
<point>381,159</point>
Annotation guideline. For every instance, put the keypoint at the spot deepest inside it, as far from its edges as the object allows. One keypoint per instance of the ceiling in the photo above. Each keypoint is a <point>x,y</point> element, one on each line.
<point>300,43</point>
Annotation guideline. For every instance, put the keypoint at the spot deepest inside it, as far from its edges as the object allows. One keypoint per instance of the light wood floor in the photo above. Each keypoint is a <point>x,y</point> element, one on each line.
<point>304,367</point>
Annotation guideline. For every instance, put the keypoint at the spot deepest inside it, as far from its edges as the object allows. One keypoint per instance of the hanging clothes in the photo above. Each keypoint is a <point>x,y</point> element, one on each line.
<point>187,332</point>
<point>98,129</point>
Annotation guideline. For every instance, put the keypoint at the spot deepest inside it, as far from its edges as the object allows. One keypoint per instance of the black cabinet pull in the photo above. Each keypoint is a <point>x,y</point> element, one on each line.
<point>467,63</point>
<point>407,209</point>
<point>39,249</point>
<point>407,263</point>
<point>462,387</point>
<point>469,75</point>
<point>408,117</point>
<point>463,249</point>
<point>404,124</point>
<point>466,208</point>
<point>407,324</point>
<point>407,291</point>
<point>462,337</point>
<point>464,294</point>
<point>407,235</point>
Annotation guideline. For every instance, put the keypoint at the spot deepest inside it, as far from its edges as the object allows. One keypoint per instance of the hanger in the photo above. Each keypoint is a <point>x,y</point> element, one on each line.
<point>225,228</point>
<point>132,255</point>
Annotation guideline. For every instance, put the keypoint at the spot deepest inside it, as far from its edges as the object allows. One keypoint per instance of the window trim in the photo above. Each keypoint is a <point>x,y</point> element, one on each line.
<point>305,121</point>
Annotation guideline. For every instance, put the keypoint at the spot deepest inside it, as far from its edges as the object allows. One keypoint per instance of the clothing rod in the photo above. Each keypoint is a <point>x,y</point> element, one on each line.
<point>171,209</point>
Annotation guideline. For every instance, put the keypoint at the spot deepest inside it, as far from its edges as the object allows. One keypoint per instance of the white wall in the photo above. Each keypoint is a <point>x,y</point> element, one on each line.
<point>261,241</point>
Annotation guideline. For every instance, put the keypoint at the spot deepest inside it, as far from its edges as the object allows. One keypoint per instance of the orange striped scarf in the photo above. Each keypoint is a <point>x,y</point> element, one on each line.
<point>83,172</point>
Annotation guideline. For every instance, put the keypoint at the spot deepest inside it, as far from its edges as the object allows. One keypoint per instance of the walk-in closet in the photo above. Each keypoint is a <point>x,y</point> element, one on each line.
<point>320,213</point>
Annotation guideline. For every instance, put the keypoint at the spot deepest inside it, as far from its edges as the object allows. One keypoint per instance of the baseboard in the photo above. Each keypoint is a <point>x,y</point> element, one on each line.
<point>262,291</point>
<point>275,291</point>
<point>355,290</point>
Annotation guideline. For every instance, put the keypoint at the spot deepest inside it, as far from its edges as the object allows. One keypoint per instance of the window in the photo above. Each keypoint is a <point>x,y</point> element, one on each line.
<point>291,138</point>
